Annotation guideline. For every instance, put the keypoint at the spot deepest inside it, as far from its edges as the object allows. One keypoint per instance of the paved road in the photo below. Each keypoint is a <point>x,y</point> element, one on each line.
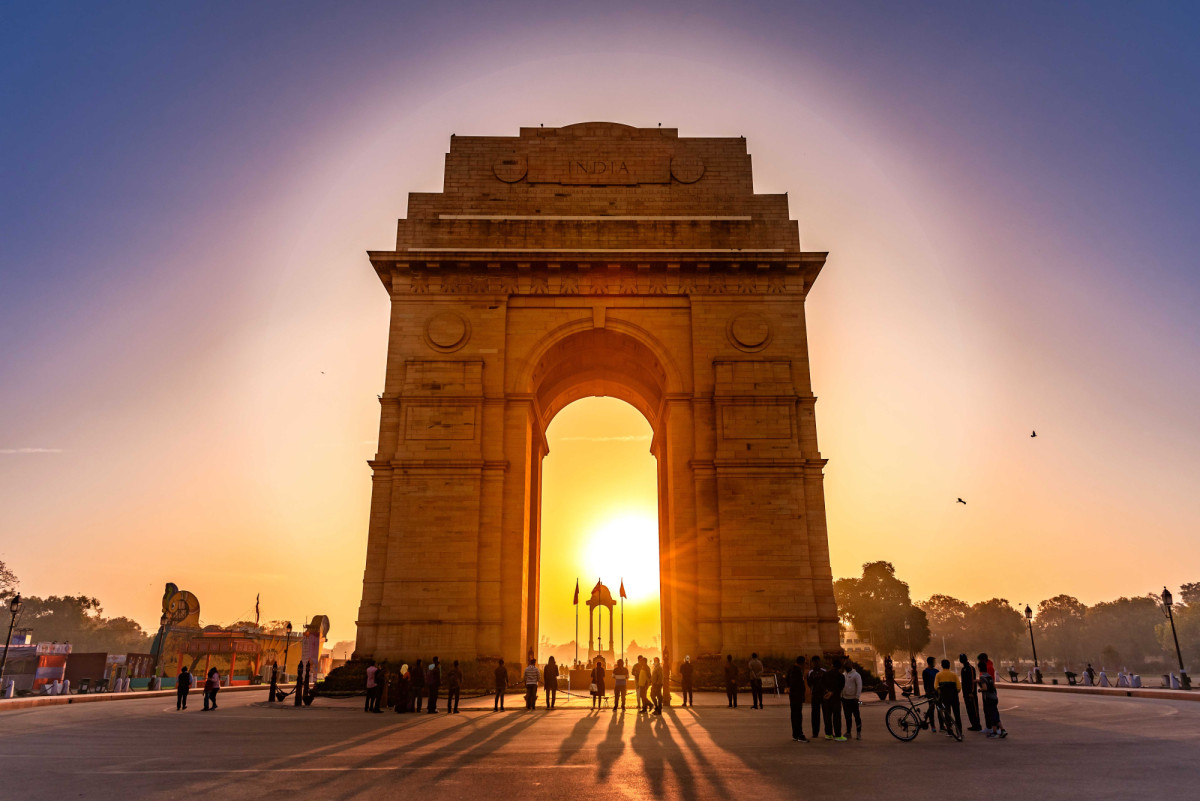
<point>1060,748</point>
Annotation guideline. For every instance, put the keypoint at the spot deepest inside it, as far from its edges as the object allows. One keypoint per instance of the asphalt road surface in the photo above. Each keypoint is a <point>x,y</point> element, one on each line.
<point>1060,747</point>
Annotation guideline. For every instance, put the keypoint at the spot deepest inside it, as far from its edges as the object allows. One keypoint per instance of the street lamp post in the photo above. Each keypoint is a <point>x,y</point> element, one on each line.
<point>14,609</point>
<point>912,657</point>
<point>1037,671</point>
<point>287,648</point>
<point>1184,681</point>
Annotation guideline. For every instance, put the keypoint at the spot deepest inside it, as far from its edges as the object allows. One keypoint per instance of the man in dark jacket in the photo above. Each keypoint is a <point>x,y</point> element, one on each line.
<point>929,685</point>
<point>501,675</point>
<point>795,683</point>
<point>814,694</point>
<point>970,696</point>
<point>731,681</point>
<point>685,681</point>
<point>418,685</point>
<point>832,682</point>
<point>453,687</point>
<point>182,684</point>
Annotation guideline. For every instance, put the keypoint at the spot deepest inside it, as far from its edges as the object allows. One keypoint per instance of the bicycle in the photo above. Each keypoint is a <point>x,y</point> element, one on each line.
<point>905,722</point>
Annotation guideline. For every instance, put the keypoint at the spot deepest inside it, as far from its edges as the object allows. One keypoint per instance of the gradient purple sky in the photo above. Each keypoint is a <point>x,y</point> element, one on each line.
<point>1008,192</point>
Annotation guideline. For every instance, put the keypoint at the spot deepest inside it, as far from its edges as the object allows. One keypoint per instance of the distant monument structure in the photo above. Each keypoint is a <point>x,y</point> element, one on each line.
<point>600,600</point>
<point>596,259</point>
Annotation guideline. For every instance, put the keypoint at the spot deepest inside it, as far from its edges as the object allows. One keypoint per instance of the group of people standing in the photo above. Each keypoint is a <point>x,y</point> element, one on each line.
<point>648,680</point>
<point>973,682</point>
<point>415,689</point>
<point>184,683</point>
<point>833,693</point>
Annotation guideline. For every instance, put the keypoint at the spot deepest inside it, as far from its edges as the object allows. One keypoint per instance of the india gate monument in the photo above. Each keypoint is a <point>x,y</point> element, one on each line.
<point>596,259</point>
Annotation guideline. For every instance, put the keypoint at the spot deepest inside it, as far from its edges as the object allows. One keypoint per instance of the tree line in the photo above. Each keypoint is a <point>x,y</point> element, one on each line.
<point>1128,633</point>
<point>77,619</point>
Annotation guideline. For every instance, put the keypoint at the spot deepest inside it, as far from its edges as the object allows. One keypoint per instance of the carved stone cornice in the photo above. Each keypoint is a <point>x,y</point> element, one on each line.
<point>636,276</point>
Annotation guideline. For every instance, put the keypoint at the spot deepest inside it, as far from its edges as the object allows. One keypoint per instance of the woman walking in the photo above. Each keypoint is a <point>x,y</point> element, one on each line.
<point>212,683</point>
<point>550,680</point>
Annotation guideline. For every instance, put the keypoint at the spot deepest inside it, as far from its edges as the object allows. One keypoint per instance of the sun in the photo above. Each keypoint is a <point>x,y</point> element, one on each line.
<point>624,548</point>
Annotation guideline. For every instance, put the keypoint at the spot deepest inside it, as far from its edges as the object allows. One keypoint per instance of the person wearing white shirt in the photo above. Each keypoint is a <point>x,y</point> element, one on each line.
<point>850,698</point>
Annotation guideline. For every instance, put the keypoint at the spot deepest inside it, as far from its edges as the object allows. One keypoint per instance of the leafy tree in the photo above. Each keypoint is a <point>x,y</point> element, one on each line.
<point>8,581</point>
<point>947,621</point>
<point>1060,629</point>
<point>995,627</point>
<point>1128,627</point>
<point>877,606</point>
<point>1190,593</point>
<point>79,620</point>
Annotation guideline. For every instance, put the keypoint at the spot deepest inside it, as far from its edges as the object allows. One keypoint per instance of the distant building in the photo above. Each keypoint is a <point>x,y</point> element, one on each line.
<point>859,649</point>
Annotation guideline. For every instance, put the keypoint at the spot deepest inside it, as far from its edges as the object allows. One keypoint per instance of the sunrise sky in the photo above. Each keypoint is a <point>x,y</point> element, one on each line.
<point>192,339</point>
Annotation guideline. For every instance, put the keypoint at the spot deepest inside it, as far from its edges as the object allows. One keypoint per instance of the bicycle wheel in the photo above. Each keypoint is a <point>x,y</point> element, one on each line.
<point>954,727</point>
<point>903,723</point>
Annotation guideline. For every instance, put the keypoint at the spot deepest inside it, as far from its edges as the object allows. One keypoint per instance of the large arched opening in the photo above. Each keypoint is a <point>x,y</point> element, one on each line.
<point>599,522</point>
<point>626,366</point>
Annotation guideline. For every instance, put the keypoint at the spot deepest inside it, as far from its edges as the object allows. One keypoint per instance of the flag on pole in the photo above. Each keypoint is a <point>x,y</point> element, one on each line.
<point>623,595</point>
<point>256,597</point>
<point>576,601</point>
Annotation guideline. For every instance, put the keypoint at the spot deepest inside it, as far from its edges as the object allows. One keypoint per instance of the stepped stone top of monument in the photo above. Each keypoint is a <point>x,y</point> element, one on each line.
<point>596,186</point>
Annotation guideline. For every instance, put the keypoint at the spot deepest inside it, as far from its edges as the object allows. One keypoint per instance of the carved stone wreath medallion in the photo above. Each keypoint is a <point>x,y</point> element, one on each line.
<point>749,331</point>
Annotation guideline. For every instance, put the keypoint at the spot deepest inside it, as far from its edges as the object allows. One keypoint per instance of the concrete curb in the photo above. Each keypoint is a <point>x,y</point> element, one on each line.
<point>1119,692</point>
<point>8,704</point>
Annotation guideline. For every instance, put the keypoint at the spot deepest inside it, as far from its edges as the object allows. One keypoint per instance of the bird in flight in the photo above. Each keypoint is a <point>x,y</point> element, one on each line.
<point>960,500</point>
<point>1034,434</point>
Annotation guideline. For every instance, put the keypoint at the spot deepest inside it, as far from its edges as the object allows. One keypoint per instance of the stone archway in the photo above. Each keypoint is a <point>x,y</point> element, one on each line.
<point>596,259</point>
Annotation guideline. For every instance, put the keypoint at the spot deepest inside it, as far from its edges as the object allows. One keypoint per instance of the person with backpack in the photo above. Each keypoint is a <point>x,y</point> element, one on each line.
<point>531,680</point>
<point>795,685</point>
<point>183,683</point>
<point>815,676</point>
<point>212,683</point>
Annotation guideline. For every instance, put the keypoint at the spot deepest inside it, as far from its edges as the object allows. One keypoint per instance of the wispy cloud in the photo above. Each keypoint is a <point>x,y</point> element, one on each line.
<point>625,438</point>
<point>31,450</point>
